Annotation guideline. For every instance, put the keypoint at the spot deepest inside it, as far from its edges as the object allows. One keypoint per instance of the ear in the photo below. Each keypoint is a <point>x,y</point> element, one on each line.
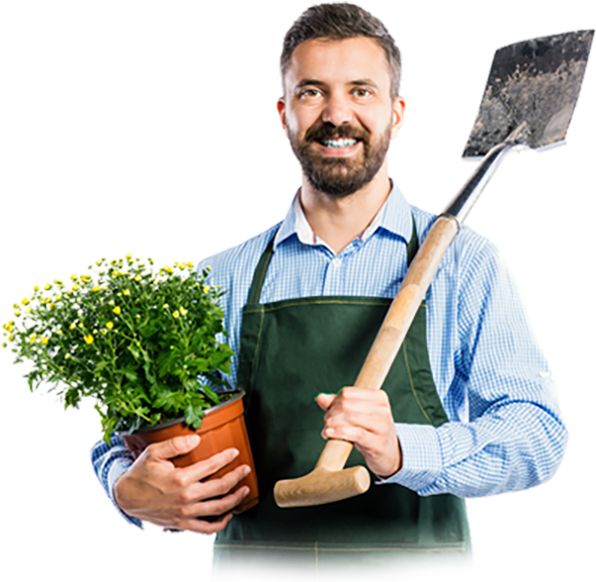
<point>399,106</point>
<point>281,109</point>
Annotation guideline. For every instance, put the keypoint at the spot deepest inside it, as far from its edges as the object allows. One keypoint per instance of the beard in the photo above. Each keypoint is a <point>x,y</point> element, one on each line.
<point>339,177</point>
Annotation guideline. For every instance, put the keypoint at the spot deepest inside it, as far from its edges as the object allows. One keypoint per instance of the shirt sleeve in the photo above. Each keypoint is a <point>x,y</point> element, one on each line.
<point>513,437</point>
<point>109,462</point>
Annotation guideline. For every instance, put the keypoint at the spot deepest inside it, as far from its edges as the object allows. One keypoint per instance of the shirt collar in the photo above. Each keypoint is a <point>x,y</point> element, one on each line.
<point>395,216</point>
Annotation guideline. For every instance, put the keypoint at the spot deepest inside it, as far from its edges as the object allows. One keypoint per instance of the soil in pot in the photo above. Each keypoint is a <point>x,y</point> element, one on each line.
<point>222,428</point>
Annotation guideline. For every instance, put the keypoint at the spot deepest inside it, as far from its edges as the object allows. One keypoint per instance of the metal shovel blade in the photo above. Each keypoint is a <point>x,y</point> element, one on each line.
<point>536,81</point>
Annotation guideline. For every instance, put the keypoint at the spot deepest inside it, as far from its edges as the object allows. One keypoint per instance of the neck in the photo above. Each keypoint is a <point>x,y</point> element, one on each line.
<point>338,221</point>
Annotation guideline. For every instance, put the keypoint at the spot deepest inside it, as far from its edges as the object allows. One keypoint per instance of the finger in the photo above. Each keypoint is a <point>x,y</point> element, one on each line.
<point>207,467</point>
<point>376,421</point>
<point>173,447</point>
<point>202,490</point>
<point>325,400</point>
<point>218,507</point>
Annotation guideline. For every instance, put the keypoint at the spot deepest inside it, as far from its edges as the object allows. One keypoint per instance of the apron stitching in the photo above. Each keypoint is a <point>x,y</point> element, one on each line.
<point>412,382</point>
<point>308,301</point>
<point>455,548</point>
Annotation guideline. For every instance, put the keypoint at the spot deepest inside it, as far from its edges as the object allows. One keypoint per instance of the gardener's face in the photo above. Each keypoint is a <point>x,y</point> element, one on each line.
<point>338,112</point>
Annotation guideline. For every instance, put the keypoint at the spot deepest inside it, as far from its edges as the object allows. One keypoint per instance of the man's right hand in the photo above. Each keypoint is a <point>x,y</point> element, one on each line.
<point>154,490</point>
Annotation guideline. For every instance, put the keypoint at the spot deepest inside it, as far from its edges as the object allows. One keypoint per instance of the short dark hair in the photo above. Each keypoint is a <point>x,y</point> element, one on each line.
<point>340,21</point>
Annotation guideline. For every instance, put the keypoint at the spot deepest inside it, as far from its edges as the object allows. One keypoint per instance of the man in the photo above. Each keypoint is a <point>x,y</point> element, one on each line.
<point>467,408</point>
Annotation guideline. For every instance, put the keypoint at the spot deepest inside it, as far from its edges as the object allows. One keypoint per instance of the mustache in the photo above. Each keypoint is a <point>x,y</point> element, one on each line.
<point>329,131</point>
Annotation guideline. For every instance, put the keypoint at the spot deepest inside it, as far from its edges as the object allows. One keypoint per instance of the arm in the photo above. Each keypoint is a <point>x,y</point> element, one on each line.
<point>152,489</point>
<point>513,437</point>
<point>505,431</point>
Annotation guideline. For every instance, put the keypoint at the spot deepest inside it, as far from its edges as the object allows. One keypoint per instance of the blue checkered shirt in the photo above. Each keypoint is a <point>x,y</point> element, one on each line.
<point>505,431</point>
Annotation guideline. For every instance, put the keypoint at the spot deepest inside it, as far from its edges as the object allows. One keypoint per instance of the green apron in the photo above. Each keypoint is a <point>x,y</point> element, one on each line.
<point>290,351</point>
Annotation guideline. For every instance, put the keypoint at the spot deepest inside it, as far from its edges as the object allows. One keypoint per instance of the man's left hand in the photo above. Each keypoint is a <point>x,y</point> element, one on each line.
<point>364,417</point>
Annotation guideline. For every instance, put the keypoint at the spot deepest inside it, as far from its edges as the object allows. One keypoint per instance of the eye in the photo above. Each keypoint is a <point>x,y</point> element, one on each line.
<point>361,92</point>
<point>309,93</point>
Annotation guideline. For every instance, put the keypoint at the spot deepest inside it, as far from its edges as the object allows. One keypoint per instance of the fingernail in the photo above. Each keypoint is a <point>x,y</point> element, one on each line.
<point>330,432</point>
<point>247,471</point>
<point>193,440</point>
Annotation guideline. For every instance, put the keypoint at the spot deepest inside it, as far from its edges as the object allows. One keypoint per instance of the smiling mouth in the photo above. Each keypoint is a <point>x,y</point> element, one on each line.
<point>339,142</point>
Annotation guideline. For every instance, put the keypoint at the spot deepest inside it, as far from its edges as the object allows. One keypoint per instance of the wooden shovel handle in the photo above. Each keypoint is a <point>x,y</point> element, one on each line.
<point>396,324</point>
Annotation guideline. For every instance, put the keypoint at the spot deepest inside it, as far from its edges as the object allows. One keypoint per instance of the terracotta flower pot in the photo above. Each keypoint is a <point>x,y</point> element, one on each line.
<point>222,428</point>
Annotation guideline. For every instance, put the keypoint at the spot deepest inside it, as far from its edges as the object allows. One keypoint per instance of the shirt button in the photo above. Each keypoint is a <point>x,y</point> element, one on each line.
<point>336,262</point>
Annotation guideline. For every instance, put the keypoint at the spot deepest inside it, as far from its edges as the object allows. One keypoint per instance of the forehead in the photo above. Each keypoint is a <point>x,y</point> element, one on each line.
<point>338,62</point>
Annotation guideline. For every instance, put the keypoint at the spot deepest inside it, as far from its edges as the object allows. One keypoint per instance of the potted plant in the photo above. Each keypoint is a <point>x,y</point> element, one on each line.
<point>143,344</point>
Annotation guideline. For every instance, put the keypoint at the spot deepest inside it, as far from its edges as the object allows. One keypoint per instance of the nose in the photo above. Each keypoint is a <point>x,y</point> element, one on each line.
<point>337,110</point>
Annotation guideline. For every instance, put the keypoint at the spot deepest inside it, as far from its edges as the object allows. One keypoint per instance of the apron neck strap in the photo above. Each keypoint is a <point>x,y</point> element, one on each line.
<point>254,294</point>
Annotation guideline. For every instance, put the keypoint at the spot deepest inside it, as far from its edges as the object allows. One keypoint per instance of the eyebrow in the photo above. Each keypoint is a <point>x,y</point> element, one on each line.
<point>317,83</point>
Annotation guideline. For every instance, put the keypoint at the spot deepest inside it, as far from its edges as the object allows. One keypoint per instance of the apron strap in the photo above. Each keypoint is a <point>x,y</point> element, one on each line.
<point>260,272</point>
<point>254,294</point>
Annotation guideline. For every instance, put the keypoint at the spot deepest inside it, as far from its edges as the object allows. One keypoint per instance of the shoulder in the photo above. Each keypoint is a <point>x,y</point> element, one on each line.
<point>468,253</point>
<point>233,268</point>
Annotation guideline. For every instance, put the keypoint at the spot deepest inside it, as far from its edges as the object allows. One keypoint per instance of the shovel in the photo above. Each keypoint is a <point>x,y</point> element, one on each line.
<point>528,102</point>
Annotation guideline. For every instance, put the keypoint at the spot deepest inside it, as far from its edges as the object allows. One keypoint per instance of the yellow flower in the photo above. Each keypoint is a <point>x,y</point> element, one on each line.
<point>109,325</point>
<point>117,310</point>
<point>10,337</point>
<point>52,306</point>
<point>32,338</point>
<point>98,262</point>
<point>47,287</point>
<point>104,331</point>
<point>57,297</point>
<point>183,311</point>
<point>15,306</point>
<point>95,289</point>
<point>73,277</point>
<point>81,325</point>
<point>126,292</point>
<point>36,288</point>
<point>205,288</point>
<point>138,278</point>
<point>182,266</point>
<point>29,310</point>
<point>168,270</point>
<point>59,331</point>
<point>44,340</point>
<point>75,287</point>
<point>175,314</point>
<point>17,312</point>
<point>88,339</point>
<point>72,325</point>
<point>25,301</point>
<point>128,257</point>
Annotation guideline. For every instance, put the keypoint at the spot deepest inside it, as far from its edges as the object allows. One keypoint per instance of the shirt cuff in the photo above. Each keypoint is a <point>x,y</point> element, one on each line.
<point>422,461</point>
<point>118,467</point>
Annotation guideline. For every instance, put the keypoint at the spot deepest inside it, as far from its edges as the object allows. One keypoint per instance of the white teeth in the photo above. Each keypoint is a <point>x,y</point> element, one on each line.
<point>339,142</point>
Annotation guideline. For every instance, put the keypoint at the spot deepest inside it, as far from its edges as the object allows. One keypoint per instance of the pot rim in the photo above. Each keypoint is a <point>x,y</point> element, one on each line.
<point>239,393</point>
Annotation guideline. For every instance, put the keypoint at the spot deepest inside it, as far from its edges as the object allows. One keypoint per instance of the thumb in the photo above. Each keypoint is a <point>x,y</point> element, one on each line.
<point>173,447</point>
<point>325,400</point>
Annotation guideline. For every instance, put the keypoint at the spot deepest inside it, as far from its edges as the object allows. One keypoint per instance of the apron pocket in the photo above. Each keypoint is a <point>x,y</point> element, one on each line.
<point>267,561</point>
